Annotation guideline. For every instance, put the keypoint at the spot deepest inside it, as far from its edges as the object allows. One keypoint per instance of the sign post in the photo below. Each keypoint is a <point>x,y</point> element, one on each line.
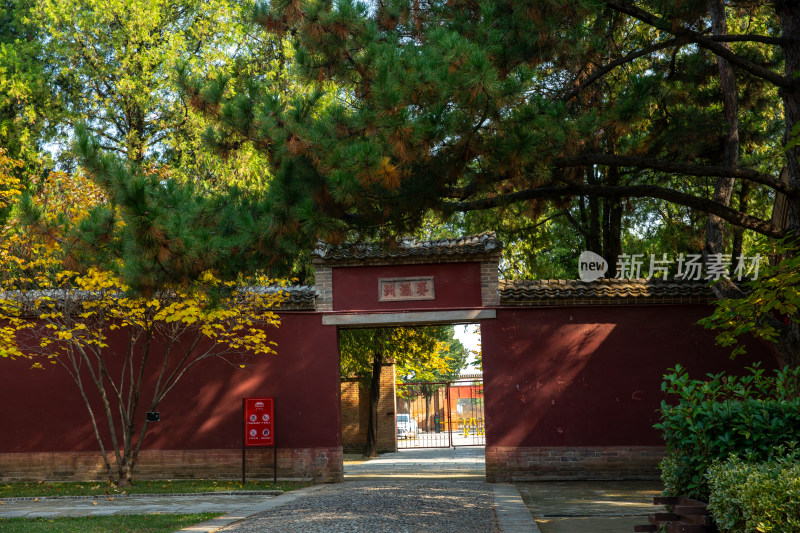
<point>258,429</point>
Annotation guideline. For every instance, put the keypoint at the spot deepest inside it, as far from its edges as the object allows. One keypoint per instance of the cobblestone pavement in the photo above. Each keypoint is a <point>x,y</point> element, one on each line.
<point>417,490</point>
<point>453,463</point>
<point>423,490</point>
<point>372,506</point>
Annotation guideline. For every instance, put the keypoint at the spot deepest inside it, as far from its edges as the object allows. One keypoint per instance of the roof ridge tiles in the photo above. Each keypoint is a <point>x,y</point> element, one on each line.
<point>470,245</point>
<point>604,288</point>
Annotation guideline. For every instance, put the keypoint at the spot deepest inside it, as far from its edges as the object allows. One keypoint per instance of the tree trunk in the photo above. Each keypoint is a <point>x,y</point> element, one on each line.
<point>371,449</point>
<point>788,345</point>
<point>789,13</point>
<point>724,188</point>
<point>738,233</point>
<point>612,225</point>
<point>594,240</point>
<point>787,349</point>
<point>124,473</point>
<point>427,408</point>
<point>582,224</point>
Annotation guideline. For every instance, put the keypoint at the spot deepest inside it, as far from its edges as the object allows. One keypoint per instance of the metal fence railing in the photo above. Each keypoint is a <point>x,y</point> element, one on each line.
<point>440,414</point>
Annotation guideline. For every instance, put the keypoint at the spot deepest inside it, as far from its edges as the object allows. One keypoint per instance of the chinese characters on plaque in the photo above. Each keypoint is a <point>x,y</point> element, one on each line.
<point>401,289</point>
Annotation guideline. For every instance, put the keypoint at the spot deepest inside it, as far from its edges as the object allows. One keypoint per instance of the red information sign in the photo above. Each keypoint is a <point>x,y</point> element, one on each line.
<point>259,422</point>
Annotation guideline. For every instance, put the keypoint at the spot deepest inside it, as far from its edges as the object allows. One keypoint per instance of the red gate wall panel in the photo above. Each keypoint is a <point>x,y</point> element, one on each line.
<point>456,285</point>
<point>591,375</point>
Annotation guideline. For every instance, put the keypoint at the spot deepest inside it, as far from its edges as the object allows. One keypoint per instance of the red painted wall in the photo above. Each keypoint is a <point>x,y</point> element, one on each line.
<point>456,285</point>
<point>42,411</point>
<point>576,376</point>
<point>581,376</point>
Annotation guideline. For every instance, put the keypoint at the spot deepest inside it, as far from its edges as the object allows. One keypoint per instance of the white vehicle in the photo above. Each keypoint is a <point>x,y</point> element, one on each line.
<point>406,426</point>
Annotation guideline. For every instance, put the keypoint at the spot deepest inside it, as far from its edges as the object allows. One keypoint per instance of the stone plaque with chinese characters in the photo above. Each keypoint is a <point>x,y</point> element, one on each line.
<point>401,289</point>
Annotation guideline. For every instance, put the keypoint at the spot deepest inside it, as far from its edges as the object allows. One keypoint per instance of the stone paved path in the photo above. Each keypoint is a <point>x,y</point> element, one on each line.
<point>453,463</point>
<point>374,506</point>
<point>596,506</point>
<point>241,505</point>
<point>425,490</point>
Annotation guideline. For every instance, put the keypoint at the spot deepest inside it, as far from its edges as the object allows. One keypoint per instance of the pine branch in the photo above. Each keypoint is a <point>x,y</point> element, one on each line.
<point>733,216</point>
<point>710,171</point>
<point>703,41</point>
<point>602,71</point>
<point>751,38</point>
<point>678,168</point>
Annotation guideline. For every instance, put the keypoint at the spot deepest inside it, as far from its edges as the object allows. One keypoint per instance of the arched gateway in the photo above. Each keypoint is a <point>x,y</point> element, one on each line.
<point>572,372</point>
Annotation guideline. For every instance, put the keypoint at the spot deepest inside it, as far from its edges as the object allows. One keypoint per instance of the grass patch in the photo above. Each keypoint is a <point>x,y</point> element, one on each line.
<point>150,523</point>
<point>95,488</point>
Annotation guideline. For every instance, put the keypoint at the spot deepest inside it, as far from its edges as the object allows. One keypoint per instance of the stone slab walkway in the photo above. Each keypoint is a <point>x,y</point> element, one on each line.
<point>374,506</point>
<point>596,506</point>
<point>239,504</point>
<point>421,490</point>
<point>452,463</point>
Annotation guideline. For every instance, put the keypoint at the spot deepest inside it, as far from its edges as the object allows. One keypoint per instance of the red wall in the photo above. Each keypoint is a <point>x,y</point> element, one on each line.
<point>42,411</point>
<point>581,376</point>
<point>455,284</point>
<point>575,376</point>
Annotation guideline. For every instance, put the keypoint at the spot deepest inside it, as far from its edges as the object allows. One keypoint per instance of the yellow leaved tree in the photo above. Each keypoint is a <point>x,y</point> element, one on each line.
<point>115,345</point>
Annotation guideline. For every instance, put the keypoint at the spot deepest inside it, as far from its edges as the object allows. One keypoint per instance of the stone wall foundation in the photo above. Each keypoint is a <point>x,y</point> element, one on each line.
<point>504,464</point>
<point>320,465</point>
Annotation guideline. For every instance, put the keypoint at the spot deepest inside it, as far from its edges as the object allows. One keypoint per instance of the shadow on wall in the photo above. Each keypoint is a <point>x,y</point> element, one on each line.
<point>591,376</point>
<point>204,409</point>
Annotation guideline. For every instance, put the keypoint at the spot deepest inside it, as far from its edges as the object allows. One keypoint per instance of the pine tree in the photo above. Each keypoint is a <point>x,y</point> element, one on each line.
<point>464,106</point>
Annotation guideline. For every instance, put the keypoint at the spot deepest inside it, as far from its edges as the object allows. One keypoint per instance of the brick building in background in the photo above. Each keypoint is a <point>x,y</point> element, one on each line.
<point>355,414</point>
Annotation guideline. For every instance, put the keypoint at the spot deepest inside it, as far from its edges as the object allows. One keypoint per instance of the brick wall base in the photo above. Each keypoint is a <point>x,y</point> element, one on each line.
<point>320,465</point>
<point>572,463</point>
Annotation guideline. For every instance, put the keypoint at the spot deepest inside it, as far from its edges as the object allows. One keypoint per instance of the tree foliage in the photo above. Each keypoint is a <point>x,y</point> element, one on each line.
<point>767,308</point>
<point>116,63</point>
<point>124,351</point>
<point>29,107</point>
<point>476,106</point>
<point>111,345</point>
<point>428,353</point>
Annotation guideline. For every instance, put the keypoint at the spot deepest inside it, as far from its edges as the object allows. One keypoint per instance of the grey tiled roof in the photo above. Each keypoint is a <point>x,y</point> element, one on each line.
<point>298,296</point>
<point>301,293</point>
<point>557,290</point>
<point>481,244</point>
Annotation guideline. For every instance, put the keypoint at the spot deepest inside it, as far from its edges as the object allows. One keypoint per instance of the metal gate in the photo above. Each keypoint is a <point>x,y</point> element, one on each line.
<point>440,414</point>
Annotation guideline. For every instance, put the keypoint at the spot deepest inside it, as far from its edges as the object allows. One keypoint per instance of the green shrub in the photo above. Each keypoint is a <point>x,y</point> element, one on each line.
<point>673,474</point>
<point>721,416</point>
<point>751,496</point>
